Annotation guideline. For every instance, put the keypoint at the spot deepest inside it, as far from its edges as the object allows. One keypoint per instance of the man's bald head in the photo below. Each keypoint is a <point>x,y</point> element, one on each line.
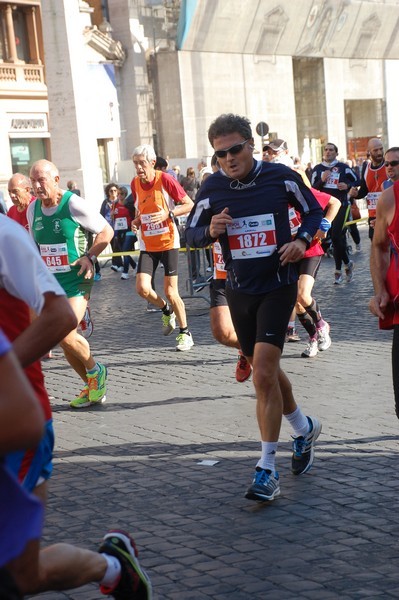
<point>376,151</point>
<point>19,189</point>
<point>46,166</point>
<point>44,178</point>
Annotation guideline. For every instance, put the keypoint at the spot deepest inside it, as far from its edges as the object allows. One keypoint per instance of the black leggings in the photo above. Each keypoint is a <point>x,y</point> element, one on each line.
<point>338,237</point>
<point>353,230</point>
<point>395,367</point>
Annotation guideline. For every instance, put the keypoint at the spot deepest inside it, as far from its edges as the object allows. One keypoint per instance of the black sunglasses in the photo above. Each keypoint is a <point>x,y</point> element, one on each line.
<point>236,149</point>
<point>393,163</point>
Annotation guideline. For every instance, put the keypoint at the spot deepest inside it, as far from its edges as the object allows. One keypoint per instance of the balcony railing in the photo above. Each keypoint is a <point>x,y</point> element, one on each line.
<point>21,79</point>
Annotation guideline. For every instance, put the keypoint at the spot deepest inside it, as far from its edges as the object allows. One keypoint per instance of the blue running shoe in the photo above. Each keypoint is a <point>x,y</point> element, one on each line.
<point>265,486</point>
<point>303,448</point>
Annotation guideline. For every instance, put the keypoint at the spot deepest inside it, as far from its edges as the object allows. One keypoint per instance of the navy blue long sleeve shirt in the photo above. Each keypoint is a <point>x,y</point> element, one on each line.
<point>259,207</point>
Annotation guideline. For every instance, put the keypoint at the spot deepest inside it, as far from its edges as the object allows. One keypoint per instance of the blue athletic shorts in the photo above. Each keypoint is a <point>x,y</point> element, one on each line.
<point>33,467</point>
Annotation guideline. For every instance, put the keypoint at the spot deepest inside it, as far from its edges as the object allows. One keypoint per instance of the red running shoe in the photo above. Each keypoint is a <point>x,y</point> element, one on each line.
<point>243,368</point>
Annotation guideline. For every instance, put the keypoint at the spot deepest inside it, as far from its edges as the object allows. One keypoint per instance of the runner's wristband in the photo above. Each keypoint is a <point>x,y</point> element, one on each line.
<point>325,225</point>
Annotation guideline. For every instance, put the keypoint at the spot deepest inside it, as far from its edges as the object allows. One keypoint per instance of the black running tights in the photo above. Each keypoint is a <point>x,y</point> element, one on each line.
<point>338,237</point>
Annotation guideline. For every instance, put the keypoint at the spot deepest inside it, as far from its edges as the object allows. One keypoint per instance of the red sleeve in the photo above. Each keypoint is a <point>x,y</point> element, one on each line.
<point>322,198</point>
<point>173,187</point>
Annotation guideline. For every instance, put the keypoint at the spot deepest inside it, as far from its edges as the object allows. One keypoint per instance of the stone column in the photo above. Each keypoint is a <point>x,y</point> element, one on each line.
<point>13,58</point>
<point>73,142</point>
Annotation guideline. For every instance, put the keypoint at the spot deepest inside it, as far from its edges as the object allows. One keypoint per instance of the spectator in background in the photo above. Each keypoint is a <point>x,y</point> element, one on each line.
<point>176,169</point>
<point>73,187</point>
<point>123,216</point>
<point>107,211</point>
<point>190,183</point>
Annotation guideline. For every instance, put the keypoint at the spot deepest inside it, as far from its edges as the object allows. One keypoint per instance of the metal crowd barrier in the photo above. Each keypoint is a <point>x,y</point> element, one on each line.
<point>200,272</point>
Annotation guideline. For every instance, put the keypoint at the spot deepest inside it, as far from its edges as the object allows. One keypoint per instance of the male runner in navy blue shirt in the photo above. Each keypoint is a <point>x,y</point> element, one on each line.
<point>245,206</point>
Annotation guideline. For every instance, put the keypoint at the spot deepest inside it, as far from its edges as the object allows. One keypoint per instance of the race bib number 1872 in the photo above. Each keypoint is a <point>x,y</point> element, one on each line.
<point>252,237</point>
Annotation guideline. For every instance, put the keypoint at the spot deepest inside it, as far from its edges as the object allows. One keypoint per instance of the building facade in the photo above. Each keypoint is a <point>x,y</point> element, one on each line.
<point>24,122</point>
<point>82,83</point>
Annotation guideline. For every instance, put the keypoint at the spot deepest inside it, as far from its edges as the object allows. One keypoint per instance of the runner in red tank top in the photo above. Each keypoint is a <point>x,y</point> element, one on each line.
<point>384,264</point>
<point>19,190</point>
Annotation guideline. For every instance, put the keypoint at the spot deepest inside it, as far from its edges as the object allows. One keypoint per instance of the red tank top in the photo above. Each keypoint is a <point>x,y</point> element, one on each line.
<point>392,278</point>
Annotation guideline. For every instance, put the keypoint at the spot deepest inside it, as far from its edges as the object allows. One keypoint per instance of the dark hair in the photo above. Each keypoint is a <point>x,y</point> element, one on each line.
<point>214,161</point>
<point>160,163</point>
<point>331,144</point>
<point>229,123</point>
<point>393,149</point>
<point>108,187</point>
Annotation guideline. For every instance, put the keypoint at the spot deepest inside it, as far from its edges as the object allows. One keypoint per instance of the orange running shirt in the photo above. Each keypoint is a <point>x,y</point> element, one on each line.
<point>163,193</point>
<point>374,179</point>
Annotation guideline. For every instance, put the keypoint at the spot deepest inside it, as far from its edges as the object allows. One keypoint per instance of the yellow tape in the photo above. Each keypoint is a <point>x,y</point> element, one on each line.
<point>357,221</point>
<point>135,252</point>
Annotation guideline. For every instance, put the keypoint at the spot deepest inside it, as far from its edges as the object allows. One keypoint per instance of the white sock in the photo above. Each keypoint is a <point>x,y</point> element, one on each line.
<point>268,458</point>
<point>299,422</point>
<point>291,324</point>
<point>113,572</point>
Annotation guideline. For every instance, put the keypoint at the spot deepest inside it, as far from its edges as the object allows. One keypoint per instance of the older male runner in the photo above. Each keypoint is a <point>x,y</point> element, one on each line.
<point>19,190</point>
<point>159,199</point>
<point>245,205</point>
<point>59,222</point>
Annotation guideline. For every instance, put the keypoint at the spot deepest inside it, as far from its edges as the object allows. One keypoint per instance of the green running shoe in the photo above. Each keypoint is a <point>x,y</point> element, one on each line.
<point>134,582</point>
<point>168,323</point>
<point>97,385</point>
<point>81,401</point>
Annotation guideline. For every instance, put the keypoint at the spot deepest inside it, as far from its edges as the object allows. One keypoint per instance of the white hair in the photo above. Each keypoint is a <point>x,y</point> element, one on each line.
<point>145,150</point>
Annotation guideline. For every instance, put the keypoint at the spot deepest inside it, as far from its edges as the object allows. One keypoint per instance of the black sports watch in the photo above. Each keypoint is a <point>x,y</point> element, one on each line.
<point>305,237</point>
<point>171,215</point>
<point>92,257</point>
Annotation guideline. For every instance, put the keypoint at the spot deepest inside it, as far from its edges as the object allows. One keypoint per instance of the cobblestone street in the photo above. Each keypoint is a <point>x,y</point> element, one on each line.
<point>134,463</point>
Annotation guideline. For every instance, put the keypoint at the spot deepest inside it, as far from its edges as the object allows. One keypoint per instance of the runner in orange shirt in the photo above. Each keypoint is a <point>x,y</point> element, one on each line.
<point>158,200</point>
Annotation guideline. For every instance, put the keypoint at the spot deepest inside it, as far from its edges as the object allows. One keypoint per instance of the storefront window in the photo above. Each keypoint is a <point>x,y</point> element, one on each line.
<point>25,151</point>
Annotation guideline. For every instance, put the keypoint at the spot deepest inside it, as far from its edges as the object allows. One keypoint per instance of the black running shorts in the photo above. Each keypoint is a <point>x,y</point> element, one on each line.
<point>217,292</point>
<point>263,317</point>
<point>148,262</point>
<point>309,266</point>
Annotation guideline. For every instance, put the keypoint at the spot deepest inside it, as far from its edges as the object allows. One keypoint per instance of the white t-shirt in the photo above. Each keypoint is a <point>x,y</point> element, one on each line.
<point>22,271</point>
